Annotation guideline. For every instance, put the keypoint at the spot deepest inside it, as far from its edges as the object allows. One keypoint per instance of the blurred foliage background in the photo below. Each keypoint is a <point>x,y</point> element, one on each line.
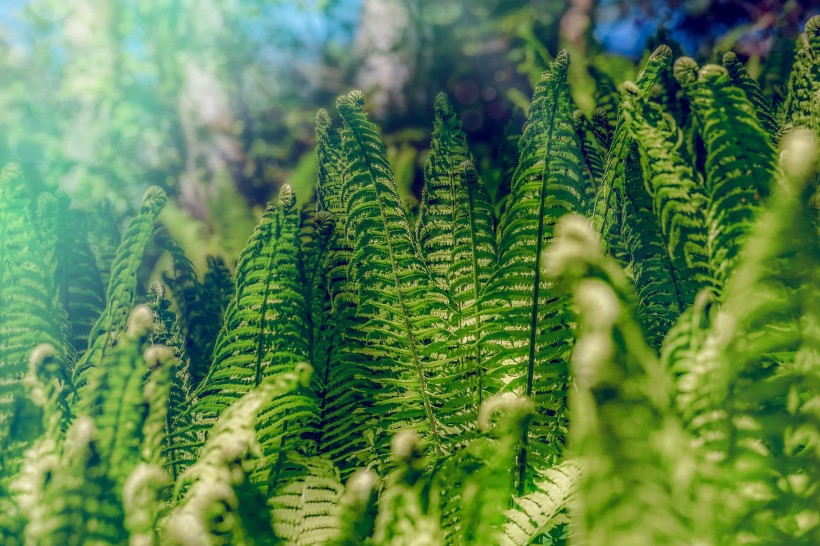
<point>214,99</point>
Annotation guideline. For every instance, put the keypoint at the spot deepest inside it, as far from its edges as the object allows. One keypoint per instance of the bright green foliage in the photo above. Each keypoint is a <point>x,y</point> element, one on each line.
<point>473,262</point>
<point>121,293</point>
<point>303,495</point>
<point>530,346</point>
<point>27,317</point>
<point>172,381</point>
<point>345,392</point>
<point>753,92</point>
<point>215,503</point>
<point>437,210</point>
<point>645,376</point>
<point>623,395</point>
<point>739,161</point>
<point>265,333</point>
<point>403,307</point>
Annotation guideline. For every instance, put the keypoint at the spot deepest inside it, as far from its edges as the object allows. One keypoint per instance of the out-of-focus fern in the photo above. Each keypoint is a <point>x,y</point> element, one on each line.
<point>216,504</point>
<point>29,316</point>
<point>77,280</point>
<point>801,107</point>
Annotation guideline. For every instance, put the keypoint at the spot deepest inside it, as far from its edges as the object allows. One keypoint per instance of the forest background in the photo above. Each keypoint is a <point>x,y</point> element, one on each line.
<point>214,100</point>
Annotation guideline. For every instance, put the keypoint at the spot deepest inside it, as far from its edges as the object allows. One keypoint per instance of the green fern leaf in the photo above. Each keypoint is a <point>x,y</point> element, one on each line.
<point>104,238</point>
<point>404,309</point>
<point>753,92</point>
<point>27,318</point>
<point>77,280</point>
<point>621,407</point>
<point>178,440</point>
<point>304,492</point>
<point>265,333</point>
<point>121,292</point>
<point>801,107</point>
<point>530,345</point>
<point>739,161</point>
<point>605,94</point>
<point>215,506</point>
<point>345,390</point>
<point>434,228</point>
<point>607,212</point>
<point>536,513</point>
<point>472,264</point>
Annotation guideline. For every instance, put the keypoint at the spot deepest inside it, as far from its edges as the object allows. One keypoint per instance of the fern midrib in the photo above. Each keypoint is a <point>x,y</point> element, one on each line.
<point>405,320</point>
<point>476,295</point>
<point>537,285</point>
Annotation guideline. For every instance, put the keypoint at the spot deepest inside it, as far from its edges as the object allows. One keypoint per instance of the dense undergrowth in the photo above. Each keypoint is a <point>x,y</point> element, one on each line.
<point>622,348</point>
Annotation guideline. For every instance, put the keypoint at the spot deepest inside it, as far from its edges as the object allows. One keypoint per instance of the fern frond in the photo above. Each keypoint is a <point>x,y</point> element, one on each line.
<point>536,513</point>
<point>120,294</point>
<point>663,282</point>
<point>607,212</point>
<point>739,161</point>
<point>403,307</point>
<point>753,382</point>
<point>121,411</point>
<point>434,228</point>
<point>801,106</point>
<point>345,393</point>
<point>754,93</point>
<point>167,332</point>
<point>104,238</point>
<point>303,495</point>
<point>210,510</point>
<point>29,316</point>
<point>265,333</point>
<point>408,513</point>
<point>621,408</point>
<point>141,499</point>
<point>199,315</point>
<point>77,280</point>
<point>593,157</point>
<point>605,94</point>
<point>531,344</point>
<point>473,261</point>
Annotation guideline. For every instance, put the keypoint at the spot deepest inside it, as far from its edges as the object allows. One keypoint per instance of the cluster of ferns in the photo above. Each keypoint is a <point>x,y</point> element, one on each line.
<point>622,348</point>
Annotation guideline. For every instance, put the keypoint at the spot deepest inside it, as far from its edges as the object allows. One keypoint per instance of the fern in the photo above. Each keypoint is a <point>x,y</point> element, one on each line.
<point>434,228</point>
<point>801,107</point>
<point>346,416</point>
<point>120,295</point>
<point>211,492</point>
<point>404,309</point>
<point>530,346</point>
<point>27,318</point>
<point>739,161</point>
<point>304,493</point>
<point>264,334</point>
